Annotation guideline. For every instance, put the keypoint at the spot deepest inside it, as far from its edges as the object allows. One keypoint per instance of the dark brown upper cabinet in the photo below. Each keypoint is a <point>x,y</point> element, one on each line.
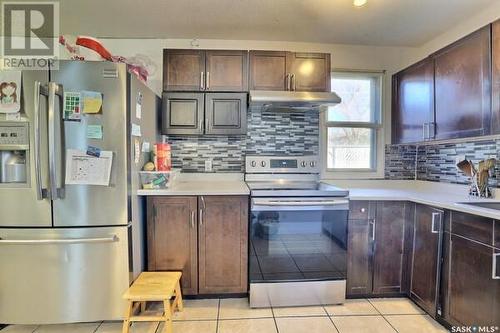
<point>200,70</point>
<point>268,70</point>
<point>413,103</point>
<point>425,268</point>
<point>463,87</point>
<point>225,113</point>
<point>309,71</point>
<point>191,113</point>
<point>183,70</point>
<point>226,70</point>
<point>289,71</point>
<point>183,113</point>
<point>496,76</point>
<point>454,93</point>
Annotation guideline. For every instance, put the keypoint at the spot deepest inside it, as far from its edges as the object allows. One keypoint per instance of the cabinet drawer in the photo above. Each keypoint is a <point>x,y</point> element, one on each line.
<point>360,210</point>
<point>473,227</point>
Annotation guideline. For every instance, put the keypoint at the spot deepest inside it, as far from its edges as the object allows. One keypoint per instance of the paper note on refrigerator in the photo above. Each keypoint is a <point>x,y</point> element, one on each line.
<point>10,91</point>
<point>72,106</point>
<point>136,130</point>
<point>83,169</point>
<point>138,106</point>
<point>92,102</point>
<point>94,132</point>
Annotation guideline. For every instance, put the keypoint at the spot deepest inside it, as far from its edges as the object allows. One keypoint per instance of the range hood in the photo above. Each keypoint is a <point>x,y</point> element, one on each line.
<point>292,100</point>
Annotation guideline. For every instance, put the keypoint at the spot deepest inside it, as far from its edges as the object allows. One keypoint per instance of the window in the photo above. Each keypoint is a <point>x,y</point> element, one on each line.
<point>352,129</point>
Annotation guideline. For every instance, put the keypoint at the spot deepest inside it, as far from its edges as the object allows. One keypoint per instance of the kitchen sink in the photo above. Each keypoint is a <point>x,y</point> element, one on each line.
<point>489,205</point>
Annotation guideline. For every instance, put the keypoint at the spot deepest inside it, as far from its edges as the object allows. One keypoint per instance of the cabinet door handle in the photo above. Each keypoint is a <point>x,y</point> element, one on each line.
<point>192,219</point>
<point>208,81</point>
<point>494,275</point>
<point>433,229</point>
<point>293,83</point>
<point>201,217</point>
<point>372,223</point>
<point>424,131</point>
<point>202,80</point>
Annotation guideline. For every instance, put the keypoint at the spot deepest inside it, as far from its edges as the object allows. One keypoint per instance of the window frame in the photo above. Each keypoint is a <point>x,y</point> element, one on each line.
<point>376,125</point>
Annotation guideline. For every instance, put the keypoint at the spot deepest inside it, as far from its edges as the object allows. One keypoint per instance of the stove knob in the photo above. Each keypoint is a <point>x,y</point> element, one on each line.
<point>263,164</point>
<point>303,164</point>
<point>312,164</point>
<point>253,164</point>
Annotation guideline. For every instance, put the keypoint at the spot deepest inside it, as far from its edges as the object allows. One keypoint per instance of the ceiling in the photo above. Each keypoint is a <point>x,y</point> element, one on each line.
<point>379,22</point>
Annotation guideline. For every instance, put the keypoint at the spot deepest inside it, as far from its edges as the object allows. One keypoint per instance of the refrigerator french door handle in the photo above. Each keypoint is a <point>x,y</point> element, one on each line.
<point>41,193</point>
<point>55,90</point>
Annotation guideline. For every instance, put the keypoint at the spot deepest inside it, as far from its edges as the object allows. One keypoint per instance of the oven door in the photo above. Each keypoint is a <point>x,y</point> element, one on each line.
<point>298,239</point>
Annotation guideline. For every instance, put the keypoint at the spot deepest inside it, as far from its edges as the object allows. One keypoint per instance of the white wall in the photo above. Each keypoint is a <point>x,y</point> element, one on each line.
<point>463,28</point>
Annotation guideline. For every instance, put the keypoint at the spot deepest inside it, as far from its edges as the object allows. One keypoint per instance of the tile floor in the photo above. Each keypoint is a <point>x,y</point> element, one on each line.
<point>234,316</point>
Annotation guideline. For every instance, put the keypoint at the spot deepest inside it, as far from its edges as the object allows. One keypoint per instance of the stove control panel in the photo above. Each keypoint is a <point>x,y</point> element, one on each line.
<point>282,164</point>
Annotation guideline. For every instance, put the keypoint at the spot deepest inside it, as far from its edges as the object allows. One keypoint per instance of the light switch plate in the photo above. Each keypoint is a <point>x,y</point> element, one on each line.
<point>208,166</point>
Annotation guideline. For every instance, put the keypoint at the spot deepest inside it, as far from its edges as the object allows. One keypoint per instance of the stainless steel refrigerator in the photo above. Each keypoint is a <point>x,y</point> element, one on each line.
<point>68,252</point>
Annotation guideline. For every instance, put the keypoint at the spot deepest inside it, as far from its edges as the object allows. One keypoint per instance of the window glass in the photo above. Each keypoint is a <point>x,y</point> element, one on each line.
<point>350,148</point>
<point>353,125</point>
<point>356,95</point>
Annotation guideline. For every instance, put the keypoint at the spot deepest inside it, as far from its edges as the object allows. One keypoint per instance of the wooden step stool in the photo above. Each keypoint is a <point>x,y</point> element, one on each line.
<point>153,287</point>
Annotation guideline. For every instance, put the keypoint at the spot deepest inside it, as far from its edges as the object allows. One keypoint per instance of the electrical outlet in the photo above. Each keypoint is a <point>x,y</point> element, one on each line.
<point>208,166</point>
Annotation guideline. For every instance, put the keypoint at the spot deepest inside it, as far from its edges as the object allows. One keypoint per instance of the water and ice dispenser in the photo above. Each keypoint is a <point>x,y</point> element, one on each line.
<point>14,152</point>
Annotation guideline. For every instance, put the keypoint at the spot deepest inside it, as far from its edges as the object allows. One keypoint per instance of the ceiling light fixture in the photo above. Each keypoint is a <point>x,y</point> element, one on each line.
<point>359,3</point>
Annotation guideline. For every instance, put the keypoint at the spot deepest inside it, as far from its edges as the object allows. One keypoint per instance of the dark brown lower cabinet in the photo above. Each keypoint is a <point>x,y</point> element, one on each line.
<point>473,290</point>
<point>376,248</point>
<point>389,245</point>
<point>172,235</point>
<point>223,244</point>
<point>204,237</point>
<point>426,254</point>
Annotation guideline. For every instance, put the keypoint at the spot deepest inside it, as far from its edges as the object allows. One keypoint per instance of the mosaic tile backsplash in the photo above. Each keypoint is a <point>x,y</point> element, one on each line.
<point>437,162</point>
<point>290,133</point>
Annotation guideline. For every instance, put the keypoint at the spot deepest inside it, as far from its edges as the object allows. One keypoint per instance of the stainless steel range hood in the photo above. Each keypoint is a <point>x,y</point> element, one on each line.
<point>292,100</point>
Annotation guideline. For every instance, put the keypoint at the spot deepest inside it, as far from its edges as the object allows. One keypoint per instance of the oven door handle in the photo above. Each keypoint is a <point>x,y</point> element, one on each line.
<point>266,204</point>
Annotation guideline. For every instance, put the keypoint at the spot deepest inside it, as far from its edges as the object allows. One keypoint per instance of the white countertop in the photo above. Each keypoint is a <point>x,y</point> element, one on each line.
<point>441,195</point>
<point>436,194</point>
<point>204,184</point>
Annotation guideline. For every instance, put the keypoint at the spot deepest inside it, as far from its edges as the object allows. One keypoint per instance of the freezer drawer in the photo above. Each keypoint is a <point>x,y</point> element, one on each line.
<point>65,275</point>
